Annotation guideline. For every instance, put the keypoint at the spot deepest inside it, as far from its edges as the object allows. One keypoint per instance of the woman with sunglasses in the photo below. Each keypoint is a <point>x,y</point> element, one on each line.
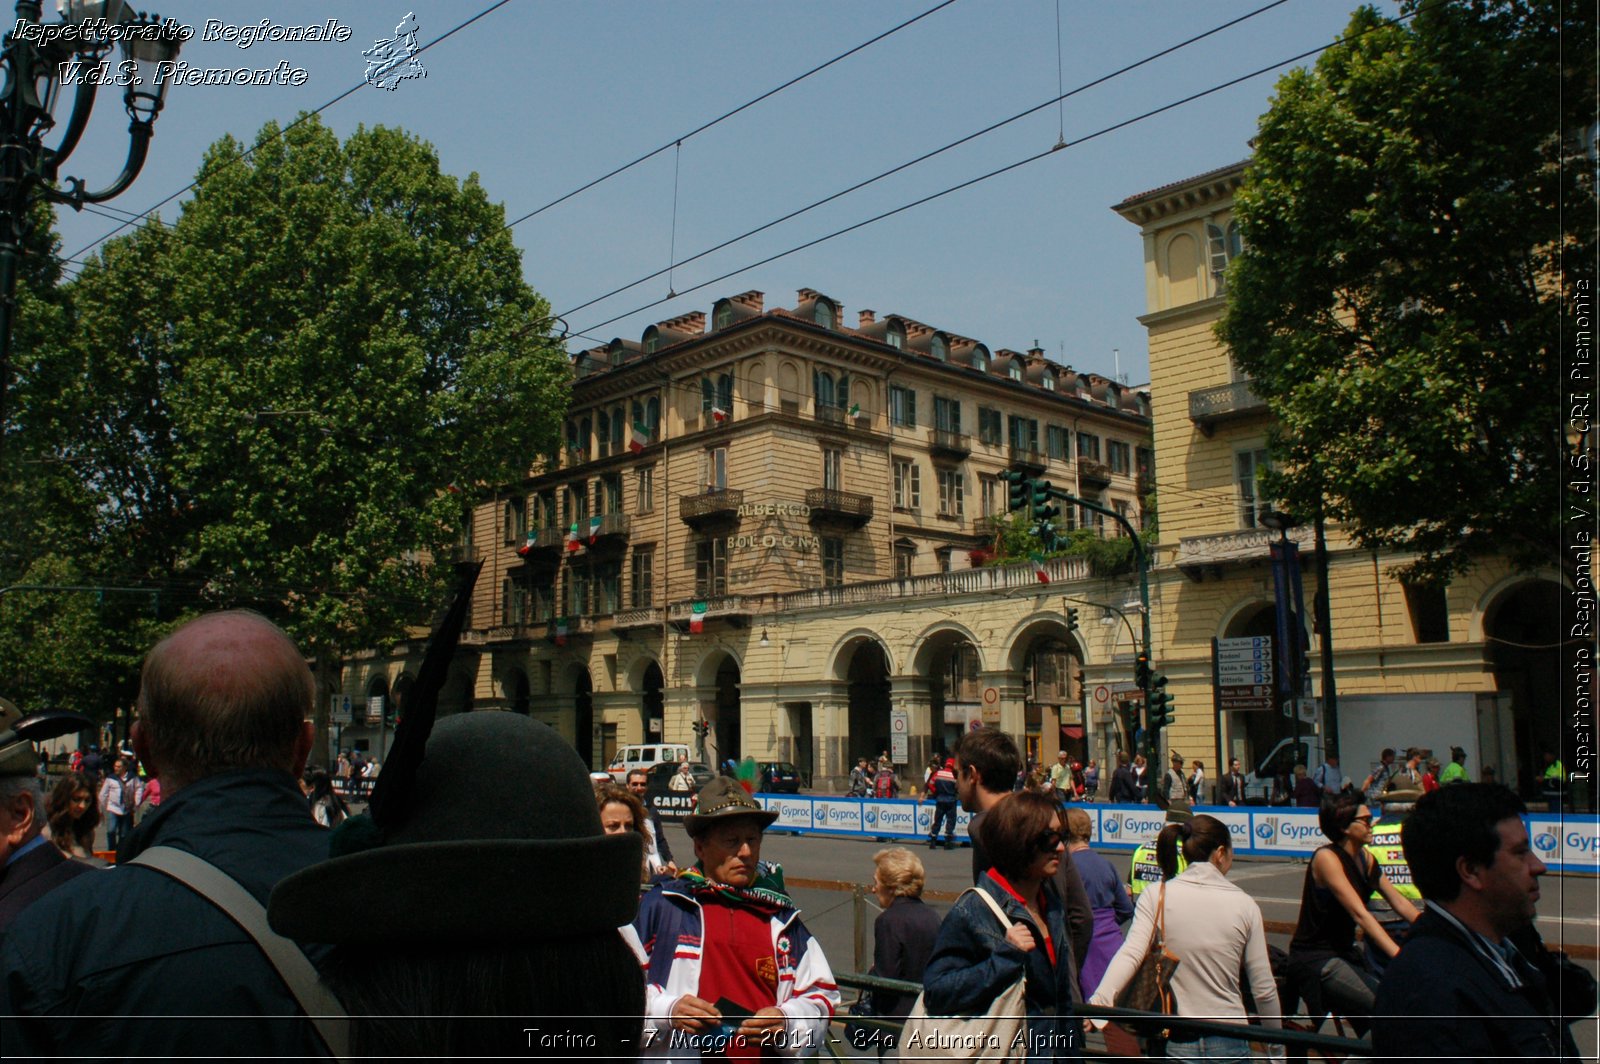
<point>1324,962</point>
<point>975,958</point>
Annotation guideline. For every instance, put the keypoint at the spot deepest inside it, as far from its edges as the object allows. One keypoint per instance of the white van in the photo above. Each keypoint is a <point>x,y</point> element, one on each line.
<point>646,756</point>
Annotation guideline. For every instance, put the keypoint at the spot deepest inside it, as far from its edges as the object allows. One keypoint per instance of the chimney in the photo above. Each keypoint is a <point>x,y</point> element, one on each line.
<point>693,323</point>
<point>1035,353</point>
<point>867,318</point>
<point>751,300</point>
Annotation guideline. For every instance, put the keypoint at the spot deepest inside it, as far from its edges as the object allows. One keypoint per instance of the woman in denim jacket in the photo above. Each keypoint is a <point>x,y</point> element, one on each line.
<point>975,959</point>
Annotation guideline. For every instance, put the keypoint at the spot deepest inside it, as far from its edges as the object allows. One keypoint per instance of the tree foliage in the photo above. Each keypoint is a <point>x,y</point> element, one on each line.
<point>1399,300</point>
<point>268,400</point>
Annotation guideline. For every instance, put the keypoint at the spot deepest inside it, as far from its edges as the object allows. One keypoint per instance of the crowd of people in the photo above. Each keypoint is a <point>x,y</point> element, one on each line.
<point>260,916</point>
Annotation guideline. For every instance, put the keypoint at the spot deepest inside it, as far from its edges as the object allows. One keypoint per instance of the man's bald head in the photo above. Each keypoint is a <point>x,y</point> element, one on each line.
<point>226,691</point>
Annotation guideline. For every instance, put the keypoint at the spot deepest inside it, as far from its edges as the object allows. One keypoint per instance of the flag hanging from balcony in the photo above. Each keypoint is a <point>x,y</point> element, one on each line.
<point>452,488</point>
<point>573,543</point>
<point>1038,568</point>
<point>594,529</point>
<point>561,631</point>
<point>718,414</point>
<point>639,439</point>
<point>697,618</point>
<point>527,546</point>
<point>855,410</point>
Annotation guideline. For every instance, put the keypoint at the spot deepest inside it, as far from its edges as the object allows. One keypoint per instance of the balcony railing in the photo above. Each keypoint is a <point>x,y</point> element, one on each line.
<point>462,554</point>
<point>716,504</point>
<point>645,618</point>
<point>1199,556</point>
<point>611,526</point>
<point>828,415</point>
<point>1026,456</point>
<point>1090,472</point>
<point>949,442</point>
<point>1210,407</point>
<point>735,608</point>
<point>831,504</point>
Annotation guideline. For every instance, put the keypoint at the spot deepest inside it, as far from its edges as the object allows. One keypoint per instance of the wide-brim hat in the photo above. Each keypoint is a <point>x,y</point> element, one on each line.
<point>503,844</point>
<point>723,799</point>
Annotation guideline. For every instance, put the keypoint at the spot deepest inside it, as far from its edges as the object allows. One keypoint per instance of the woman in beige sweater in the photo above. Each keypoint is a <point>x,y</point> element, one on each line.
<point>1214,929</point>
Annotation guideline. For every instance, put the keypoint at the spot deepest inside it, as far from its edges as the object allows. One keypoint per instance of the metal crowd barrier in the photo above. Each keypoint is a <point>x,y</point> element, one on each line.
<point>1298,1045</point>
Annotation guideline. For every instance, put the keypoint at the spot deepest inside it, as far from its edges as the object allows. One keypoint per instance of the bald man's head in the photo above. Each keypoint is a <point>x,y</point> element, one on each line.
<point>225,691</point>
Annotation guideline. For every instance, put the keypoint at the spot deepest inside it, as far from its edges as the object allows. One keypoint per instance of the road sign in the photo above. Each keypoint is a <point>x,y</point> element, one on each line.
<point>991,696</point>
<point>339,709</point>
<point>899,736</point>
<point>375,709</point>
<point>1102,694</point>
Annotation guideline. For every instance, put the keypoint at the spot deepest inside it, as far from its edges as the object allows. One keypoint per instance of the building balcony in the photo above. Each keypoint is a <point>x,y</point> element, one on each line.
<point>735,609</point>
<point>1210,407</point>
<point>1093,475</point>
<point>613,530</point>
<point>1202,556</point>
<point>649,617</point>
<point>833,505</point>
<point>1023,456</point>
<point>543,541</point>
<point>829,415</point>
<point>463,554</point>
<point>516,632</point>
<point>949,444</point>
<point>716,506</point>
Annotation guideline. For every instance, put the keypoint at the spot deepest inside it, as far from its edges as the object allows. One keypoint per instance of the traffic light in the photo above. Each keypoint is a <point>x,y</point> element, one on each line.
<point>1161,714</point>
<point>1072,619</point>
<point>1019,489</point>
<point>1129,714</point>
<point>1141,671</point>
<point>1039,501</point>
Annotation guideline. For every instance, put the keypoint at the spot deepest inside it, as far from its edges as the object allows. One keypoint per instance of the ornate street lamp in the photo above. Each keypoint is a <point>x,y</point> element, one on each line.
<point>39,59</point>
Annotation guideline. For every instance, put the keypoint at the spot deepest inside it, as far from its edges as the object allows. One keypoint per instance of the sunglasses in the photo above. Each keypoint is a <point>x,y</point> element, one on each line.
<point>1367,820</point>
<point>1047,842</point>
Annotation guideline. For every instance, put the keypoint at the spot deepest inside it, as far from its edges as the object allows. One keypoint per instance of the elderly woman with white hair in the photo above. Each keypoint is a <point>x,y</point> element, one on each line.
<point>904,932</point>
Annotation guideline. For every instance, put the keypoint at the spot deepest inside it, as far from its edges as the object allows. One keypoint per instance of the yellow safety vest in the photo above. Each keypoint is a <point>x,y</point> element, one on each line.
<point>1384,846</point>
<point>1146,869</point>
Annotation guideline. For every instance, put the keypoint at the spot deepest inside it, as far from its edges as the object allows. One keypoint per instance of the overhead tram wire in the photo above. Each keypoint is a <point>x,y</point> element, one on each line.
<point>939,151</point>
<point>303,118</point>
<point>1018,164</point>
<point>678,141</point>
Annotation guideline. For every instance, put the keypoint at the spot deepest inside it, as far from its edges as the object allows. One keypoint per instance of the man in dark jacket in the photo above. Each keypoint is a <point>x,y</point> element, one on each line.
<point>986,760</point>
<point>639,784</point>
<point>30,867</point>
<point>1124,788</point>
<point>224,703</point>
<point>1460,989</point>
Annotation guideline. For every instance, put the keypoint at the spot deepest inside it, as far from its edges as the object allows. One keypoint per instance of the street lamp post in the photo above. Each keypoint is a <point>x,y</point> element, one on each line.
<point>1290,603</point>
<point>39,59</point>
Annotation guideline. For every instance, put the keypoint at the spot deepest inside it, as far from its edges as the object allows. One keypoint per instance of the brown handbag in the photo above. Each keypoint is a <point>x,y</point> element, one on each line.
<point>1150,988</point>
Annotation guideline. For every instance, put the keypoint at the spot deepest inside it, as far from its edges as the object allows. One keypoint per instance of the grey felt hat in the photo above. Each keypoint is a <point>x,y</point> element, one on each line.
<point>502,843</point>
<point>721,799</point>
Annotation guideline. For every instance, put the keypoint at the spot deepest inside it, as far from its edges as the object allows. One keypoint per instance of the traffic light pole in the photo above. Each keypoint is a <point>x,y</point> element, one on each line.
<point>1147,747</point>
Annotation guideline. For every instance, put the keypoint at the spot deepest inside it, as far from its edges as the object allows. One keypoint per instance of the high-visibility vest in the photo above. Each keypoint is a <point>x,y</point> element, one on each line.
<point>1384,846</point>
<point>1146,869</point>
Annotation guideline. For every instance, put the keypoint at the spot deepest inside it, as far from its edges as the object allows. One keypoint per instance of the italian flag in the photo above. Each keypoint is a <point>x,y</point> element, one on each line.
<point>527,546</point>
<point>640,437</point>
<point>855,410</point>
<point>452,488</point>
<point>573,543</point>
<point>561,631</point>
<point>1038,568</point>
<point>594,529</point>
<point>697,618</point>
<point>718,414</point>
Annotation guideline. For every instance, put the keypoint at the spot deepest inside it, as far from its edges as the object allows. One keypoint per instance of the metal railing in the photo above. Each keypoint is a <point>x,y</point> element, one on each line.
<point>710,502</point>
<point>834,501</point>
<point>1152,1025</point>
<point>1227,400</point>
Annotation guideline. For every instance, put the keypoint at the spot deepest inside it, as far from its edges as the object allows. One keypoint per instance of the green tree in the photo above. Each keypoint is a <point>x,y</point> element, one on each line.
<point>1399,299</point>
<point>275,394</point>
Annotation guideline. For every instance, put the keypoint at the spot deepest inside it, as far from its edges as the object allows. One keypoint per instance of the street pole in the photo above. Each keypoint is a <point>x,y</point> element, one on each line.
<point>1330,698</point>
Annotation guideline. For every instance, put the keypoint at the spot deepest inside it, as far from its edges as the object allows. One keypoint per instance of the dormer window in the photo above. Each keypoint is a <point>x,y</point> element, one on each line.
<point>616,355</point>
<point>980,359</point>
<point>722,317</point>
<point>823,314</point>
<point>1113,397</point>
<point>1048,382</point>
<point>939,349</point>
<point>896,336</point>
<point>1014,370</point>
<point>652,340</point>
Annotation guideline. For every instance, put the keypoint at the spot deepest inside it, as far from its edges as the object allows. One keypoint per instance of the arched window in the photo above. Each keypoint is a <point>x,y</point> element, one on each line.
<point>822,389</point>
<point>652,340</point>
<point>938,348</point>
<point>896,336</point>
<point>823,314</point>
<point>980,359</point>
<point>1014,370</point>
<point>722,316</point>
<point>1048,381</point>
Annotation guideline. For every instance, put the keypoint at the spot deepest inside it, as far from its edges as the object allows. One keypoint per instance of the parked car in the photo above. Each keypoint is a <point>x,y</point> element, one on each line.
<point>779,777</point>
<point>661,777</point>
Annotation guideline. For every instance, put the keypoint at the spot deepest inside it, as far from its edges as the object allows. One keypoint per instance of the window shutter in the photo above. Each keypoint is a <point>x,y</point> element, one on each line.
<point>708,395</point>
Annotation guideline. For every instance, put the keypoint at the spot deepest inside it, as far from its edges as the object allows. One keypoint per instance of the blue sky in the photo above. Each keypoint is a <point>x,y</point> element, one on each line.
<point>541,96</point>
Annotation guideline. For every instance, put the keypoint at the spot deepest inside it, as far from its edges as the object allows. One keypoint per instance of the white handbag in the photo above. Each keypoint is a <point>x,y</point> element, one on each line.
<point>992,1035</point>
